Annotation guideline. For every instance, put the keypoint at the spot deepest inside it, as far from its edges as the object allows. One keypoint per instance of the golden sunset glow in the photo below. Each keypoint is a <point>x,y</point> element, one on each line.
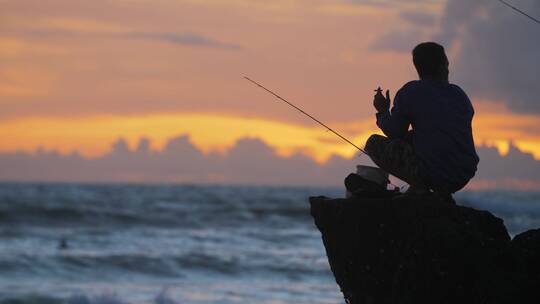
<point>77,76</point>
<point>209,132</point>
<point>499,129</point>
<point>92,136</point>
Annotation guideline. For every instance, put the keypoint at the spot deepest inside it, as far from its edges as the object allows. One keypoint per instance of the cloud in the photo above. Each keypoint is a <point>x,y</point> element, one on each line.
<point>362,7</point>
<point>497,49</point>
<point>418,18</point>
<point>189,39</point>
<point>404,39</point>
<point>73,28</point>
<point>392,3</point>
<point>185,39</point>
<point>398,41</point>
<point>384,3</point>
<point>498,59</point>
<point>516,170</point>
<point>250,161</point>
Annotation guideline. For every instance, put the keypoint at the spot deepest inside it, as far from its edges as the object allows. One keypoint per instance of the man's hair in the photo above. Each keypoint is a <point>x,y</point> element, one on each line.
<point>428,58</point>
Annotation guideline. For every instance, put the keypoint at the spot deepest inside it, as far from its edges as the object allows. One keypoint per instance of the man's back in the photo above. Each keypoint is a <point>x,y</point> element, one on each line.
<point>439,152</point>
<point>440,114</point>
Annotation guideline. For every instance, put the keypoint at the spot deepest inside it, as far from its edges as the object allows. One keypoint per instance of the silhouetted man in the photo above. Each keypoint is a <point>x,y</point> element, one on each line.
<point>438,153</point>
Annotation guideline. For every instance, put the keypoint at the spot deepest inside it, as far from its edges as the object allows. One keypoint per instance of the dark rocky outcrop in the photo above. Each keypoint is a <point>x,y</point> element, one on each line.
<point>423,250</point>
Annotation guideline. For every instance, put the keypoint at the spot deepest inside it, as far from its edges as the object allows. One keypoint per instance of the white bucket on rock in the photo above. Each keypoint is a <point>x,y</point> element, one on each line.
<point>374,174</point>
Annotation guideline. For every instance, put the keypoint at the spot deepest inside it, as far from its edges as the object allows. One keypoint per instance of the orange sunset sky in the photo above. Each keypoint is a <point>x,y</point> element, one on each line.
<point>76,75</point>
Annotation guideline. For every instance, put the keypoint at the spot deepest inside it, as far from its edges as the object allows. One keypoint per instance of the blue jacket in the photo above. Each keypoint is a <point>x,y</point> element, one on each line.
<point>440,115</point>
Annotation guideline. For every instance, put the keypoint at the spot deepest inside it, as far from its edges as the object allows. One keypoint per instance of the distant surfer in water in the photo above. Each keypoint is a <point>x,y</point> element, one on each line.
<point>63,244</point>
<point>438,152</point>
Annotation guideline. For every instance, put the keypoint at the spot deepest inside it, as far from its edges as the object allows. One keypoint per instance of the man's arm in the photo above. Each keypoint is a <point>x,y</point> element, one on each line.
<point>394,124</point>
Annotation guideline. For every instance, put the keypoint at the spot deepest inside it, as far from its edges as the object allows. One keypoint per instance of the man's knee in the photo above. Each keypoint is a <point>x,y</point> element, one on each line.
<point>374,144</point>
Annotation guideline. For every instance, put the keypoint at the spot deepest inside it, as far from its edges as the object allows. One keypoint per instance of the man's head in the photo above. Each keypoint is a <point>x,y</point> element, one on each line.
<point>430,61</point>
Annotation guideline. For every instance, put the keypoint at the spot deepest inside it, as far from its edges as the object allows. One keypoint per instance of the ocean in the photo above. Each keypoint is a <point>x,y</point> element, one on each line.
<point>171,244</point>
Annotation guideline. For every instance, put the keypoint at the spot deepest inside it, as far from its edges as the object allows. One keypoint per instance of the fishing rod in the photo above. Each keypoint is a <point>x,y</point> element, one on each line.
<point>316,120</point>
<point>307,114</point>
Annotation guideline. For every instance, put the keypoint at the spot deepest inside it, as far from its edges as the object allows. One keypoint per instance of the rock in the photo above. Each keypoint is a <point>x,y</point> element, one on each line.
<point>422,250</point>
<point>527,247</point>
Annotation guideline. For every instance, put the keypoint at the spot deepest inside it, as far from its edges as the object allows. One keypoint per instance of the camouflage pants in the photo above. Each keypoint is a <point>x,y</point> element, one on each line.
<point>395,156</point>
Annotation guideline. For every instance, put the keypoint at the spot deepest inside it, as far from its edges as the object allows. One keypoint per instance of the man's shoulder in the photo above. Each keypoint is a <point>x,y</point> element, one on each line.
<point>411,85</point>
<point>419,86</point>
<point>409,89</point>
<point>458,89</point>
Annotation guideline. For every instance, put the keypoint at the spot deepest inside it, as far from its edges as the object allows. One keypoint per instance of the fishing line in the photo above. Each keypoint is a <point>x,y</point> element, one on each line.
<point>519,11</point>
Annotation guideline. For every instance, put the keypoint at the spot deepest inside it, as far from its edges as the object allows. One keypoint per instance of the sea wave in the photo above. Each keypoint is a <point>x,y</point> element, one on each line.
<point>128,237</point>
<point>82,298</point>
<point>520,210</point>
<point>161,298</point>
<point>37,299</point>
<point>141,205</point>
<point>81,265</point>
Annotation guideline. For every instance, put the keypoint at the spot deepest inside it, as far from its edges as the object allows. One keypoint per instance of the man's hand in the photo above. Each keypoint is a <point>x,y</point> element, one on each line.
<point>381,103</point>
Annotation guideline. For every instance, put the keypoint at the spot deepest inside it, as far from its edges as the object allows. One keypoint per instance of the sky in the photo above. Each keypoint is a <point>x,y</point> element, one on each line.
<point>77,75</point>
